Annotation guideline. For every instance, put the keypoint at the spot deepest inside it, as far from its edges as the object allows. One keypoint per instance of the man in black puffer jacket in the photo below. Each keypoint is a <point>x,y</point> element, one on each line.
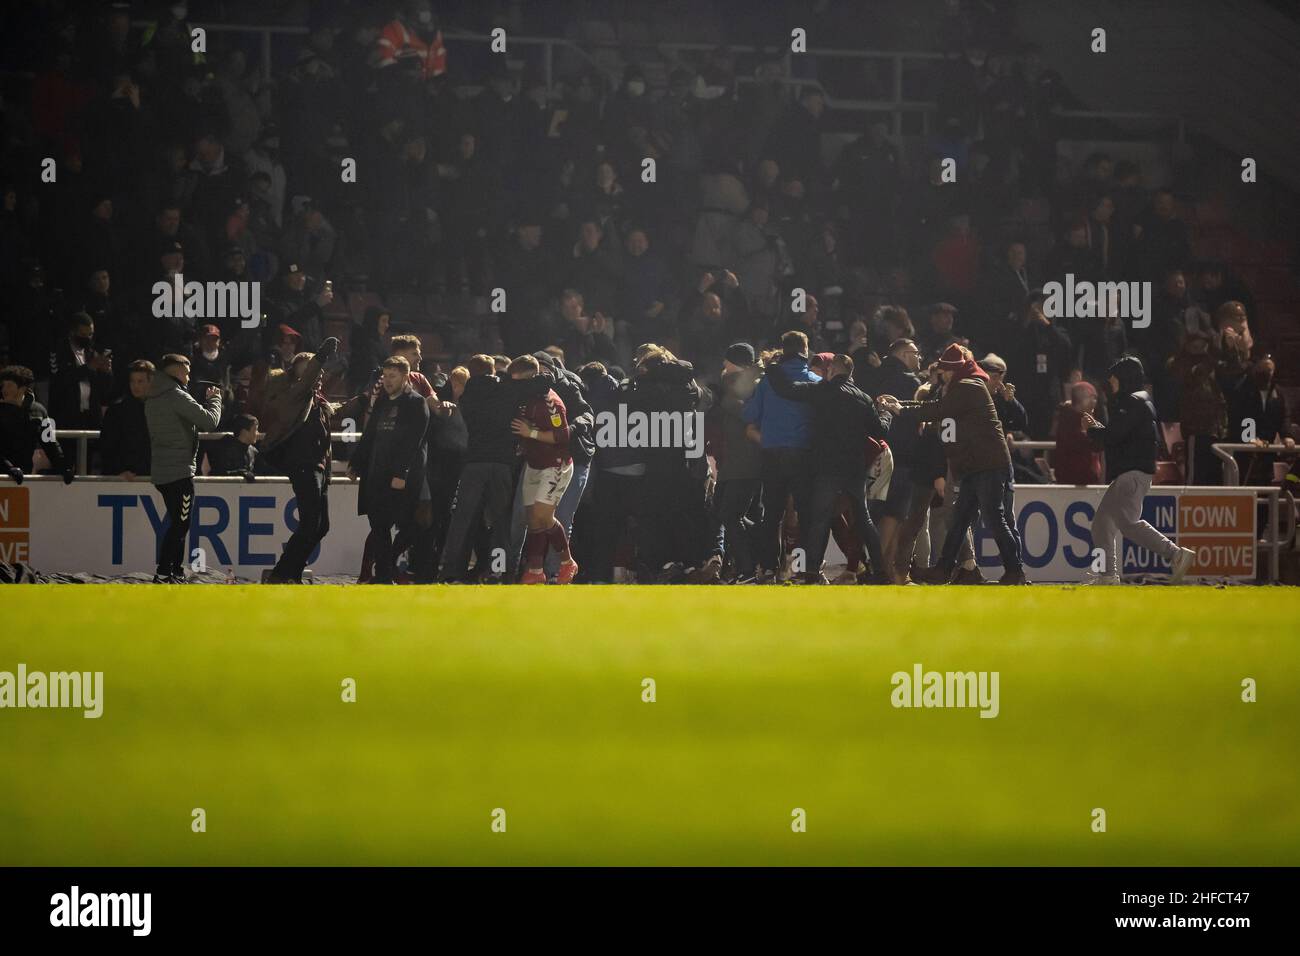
<point>844,417</point>
<point>1130,443</point>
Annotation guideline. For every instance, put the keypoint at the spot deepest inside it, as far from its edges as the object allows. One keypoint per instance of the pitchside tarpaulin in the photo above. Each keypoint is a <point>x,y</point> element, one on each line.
<point>111,527</point>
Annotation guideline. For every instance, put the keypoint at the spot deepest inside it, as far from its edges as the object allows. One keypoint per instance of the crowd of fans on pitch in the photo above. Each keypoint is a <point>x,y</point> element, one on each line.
<point>666,294</point>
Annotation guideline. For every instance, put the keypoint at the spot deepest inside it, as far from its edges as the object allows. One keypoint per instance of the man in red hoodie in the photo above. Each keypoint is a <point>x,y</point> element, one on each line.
<point>543,430</point>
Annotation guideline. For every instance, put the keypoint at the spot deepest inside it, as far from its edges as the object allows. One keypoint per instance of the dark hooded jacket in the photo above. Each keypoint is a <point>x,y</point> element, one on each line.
<point>1131,438</point>
<point>572,392</point>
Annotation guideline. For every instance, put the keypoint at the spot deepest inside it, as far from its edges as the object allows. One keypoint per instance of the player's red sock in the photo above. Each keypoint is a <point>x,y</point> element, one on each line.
<point>558,540</point>
<point>535,549</point>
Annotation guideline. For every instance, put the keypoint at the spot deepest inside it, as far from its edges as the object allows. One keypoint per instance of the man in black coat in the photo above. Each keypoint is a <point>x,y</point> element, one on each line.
<point>390,462</point>
<point>844,417</point>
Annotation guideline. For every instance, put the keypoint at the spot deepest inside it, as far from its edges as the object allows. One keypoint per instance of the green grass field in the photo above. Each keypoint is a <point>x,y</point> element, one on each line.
<point>768,699</point>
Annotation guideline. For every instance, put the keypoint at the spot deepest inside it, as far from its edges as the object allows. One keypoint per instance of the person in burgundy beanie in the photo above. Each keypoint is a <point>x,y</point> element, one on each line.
<point>977,450</point>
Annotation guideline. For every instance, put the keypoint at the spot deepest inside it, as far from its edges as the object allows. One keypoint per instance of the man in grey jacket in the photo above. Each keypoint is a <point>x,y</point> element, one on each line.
<point>175,420</point>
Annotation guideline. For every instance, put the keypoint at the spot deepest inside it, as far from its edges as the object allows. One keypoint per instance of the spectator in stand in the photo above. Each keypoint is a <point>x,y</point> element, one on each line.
<point>310,240</point>
<point>235,455</point>
<point>1076,460</point>
<point>1219,284</point>
<point>584,338</point>
<point>1234,338</point>
<point>1203,409</point>
<point>809,323</point>
<point>294,305</point>
<point>784,431</point>
<point>1040,352</point>
<point>81,379</point>
<point>939,332</point>
<point>113,330</point>
<point>1005,292</point>
<point>596,267</point>
<point>525,270</point>
<point>645,293</point>
<point>711,317</point>
<point>368,347</point>
<point>1160,238</point>
<point>23,427</point>
<point>471,217</point>
<point>208,361</point>
<point>124,433</point>
<point>1258,408</point>
<point>412,34</point>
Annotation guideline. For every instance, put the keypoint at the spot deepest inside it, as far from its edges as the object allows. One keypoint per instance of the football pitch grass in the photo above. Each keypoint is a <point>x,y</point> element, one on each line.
<point>767,699</point>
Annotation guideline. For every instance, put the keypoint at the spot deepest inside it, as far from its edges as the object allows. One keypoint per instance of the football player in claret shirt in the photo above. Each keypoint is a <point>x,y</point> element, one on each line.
<point>543,430</point>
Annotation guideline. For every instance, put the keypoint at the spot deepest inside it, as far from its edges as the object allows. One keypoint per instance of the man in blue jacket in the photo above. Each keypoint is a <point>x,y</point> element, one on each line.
<point>784,432</point>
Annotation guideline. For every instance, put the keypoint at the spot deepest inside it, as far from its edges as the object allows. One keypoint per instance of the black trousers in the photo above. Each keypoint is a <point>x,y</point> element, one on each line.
<point>311,488</point>
<point>673,520</point>
<point>826,491</point>
<point>733,531</point>
<point>487,489</point>
<point>614,499</point>
<point>786,473</point>
<point>393,509</point>
<point>178,496</point>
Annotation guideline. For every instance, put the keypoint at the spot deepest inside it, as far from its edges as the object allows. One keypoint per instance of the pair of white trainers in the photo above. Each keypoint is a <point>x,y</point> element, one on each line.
<point>1179,565</point>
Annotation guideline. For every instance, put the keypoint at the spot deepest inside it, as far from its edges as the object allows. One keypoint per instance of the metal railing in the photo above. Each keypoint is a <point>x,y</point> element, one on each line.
<point>897,104</point>
<point>1224,452</point>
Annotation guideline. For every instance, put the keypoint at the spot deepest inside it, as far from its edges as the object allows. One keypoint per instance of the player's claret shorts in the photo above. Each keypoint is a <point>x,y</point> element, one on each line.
<point>546,485</point>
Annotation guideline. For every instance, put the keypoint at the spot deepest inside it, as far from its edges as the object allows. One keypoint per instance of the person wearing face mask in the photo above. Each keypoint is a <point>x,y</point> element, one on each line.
<point>264,157</point>
<point>1257,406</point>
<point>629,107</point>
<point>80,379</point>
<point>412,33</point>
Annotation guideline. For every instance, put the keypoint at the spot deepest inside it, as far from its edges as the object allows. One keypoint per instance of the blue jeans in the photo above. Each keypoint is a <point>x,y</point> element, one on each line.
<point>987,494</point>
<point>564,513</point>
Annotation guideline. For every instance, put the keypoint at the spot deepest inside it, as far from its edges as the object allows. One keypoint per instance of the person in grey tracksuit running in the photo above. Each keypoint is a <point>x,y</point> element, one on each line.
<point>1130,443</point>
<point>175,420</point>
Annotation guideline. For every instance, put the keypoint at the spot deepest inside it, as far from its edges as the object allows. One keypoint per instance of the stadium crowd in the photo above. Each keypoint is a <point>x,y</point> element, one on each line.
<point>825,316</point>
